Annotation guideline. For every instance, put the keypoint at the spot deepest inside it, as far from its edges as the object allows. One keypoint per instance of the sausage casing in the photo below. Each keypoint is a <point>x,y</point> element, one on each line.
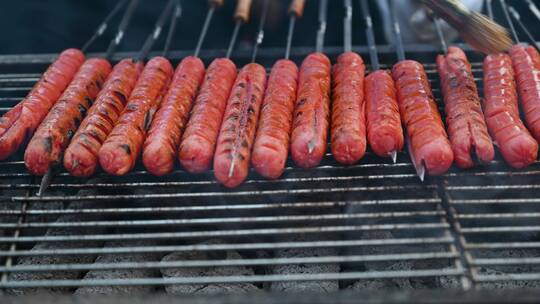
<point>466,126</point>
<point>199,139</point>
<point>384,130</point>
<point>514,141</point>
<point>21,121</point>
<point>121,149</point>
<point>312,111</point>
<point>53,135</point>
<point>348,131</point>
<point>237,133</point>
<point>81,156</point>
<point>272,140</point>
<point>423,123</point>
<point>161,144</point>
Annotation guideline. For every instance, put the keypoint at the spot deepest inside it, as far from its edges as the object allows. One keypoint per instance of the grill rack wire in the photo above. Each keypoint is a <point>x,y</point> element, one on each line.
<point>468,229</point>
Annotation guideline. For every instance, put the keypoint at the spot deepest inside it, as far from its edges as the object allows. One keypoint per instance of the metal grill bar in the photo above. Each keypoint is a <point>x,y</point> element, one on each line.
<point>241,279</point>
<point>222,233</point>
<point>221,263</point>
<point>222,247</point>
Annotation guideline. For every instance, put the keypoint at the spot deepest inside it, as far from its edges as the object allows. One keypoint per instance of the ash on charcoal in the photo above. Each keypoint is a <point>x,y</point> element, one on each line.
<point>399,265</point>
<point>123,274</point>
<point>287,269</point>
<point>207,272</point>
<point>60,259</point>
<point>508,269</point>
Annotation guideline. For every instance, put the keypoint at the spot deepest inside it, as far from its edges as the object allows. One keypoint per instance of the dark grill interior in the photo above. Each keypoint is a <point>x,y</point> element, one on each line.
<point>370,226</point>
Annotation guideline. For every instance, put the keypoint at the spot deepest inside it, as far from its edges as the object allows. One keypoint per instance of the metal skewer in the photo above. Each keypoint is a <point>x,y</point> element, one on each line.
<point>438,29</point>
<point>373,50</point>
<point>241,16</point>
<point>47,178</point>
<point>489,5</point>
<point>295,11</point>
<point>152,38</point>
<point>509,20</point>
<point>370,35</point>
<point>400,50</point>
<point>124,23</point>
<point>213,4</point>
<point>104,25</point>
<point>260,33</point>
<point>534,9</point>
<point>323,6</point>
<point>522,26</point>
<point>347,26</point>
<point>172,26</point>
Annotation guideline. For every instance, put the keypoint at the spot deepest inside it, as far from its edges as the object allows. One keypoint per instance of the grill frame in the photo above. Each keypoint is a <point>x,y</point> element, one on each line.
<point>447,210</point>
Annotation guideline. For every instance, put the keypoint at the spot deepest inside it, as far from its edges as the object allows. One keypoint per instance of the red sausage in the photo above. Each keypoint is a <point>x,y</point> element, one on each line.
<point>235,140</point>
<point>466,126</point>
<point>311,113</point>
<point>122,147</point>
<point>384,131</point>
<point>516,144</point>
<point>348,131</point>
<point>53,135</point>
<point>526,63</point>
<point>19,123</point>
<point>419,114</point>
<point>81,156</point>
<point>161,144</point>
<point>199,139</point>
<point>271,145</point>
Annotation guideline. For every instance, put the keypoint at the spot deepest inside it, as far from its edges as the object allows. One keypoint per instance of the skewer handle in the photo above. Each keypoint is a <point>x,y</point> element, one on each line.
<point>215,2</point>
<point>243,8</point>
<point>297,7</point>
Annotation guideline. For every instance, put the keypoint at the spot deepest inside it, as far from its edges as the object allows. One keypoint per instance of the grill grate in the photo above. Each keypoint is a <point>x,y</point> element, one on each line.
<point>369,226</point>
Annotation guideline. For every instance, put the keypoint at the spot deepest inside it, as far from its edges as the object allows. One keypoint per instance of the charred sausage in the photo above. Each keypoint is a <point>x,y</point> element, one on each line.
<point>53,135</point>
<point>311,113</point>
<point>464,118</point>
<point>516,144</point>
<point>423,123</point>
<point>161,145</point>
<point>272,140</point>
<point>348,132</point>
<point>81,156</point>
<point>122,147</point>
<point>235,140</point>
<point>526,64</point>
<point>384,131</point>
<point>199,139</point>
<point>19,123</point>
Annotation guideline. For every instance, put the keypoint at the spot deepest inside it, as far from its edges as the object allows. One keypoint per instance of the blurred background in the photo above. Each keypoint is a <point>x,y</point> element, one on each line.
<point>37,26</point>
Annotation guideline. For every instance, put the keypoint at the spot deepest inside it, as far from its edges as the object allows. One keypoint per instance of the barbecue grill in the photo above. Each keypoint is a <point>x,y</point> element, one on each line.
<point>364,228</point>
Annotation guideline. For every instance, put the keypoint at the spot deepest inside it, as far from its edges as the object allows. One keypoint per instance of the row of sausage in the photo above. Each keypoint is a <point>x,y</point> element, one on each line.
<point>85,114</point>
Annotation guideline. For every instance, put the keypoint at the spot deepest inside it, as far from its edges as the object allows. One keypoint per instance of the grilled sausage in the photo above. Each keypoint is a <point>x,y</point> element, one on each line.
<point>348,132</point>
<point>199,139</point>
<point>516,144</point>
<point>464,118</point>
<point>81,156</point>
<point>161,145</point>
<point>526,64</point>
<point>311,113</point>
<point>271,145</point>
<point>53,135</point>
<point>122,147</point>
<point>235,140</point>
<point>19,123</point>
<point>419,114</point>
<point>384,131</point>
